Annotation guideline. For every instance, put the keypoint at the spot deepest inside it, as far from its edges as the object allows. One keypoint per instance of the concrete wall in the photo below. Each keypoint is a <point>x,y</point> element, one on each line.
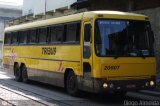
<point>5,15</point>
<point>40,6</point>
<point>10,12</point>
<point>55,4</point>
<point>28,7</point>
<point>154,15</point>
<point>122,5</point>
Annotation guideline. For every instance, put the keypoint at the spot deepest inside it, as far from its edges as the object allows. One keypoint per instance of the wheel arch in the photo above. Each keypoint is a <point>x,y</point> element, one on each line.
<point>15,63</point>
<point>22,64</point>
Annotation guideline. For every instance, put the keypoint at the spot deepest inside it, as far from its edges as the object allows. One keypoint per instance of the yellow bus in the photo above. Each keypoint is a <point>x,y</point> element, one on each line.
<point>95,51</point>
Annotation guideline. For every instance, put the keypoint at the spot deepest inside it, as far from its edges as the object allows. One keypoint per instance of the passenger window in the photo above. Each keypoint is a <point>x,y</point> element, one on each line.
<point>14,38</point>
<point>56,34</point>
<point>7,39</point>
<point>23,37</point>
<point>42,34</point>
<point>33,36</point>
<point>73,32</point>
<point>59,33</point>
<point>52,34</point>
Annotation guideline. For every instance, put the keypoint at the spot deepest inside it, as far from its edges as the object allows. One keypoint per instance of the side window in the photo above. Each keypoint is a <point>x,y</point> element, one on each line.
<point>56,33</point>
<point>73,32</point>
<point>59,33</point>
<point>87,39</point>
<point>52,34</point>
<point>7,39</point>
<point>14,38</point>
<point>23,37</point>
<point>33,36</point>
<point>78,32</point>
<point>87,33</point>
<point>42,35</point>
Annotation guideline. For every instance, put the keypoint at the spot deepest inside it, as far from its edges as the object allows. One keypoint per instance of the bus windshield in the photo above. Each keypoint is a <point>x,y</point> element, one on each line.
<point>123,38</point>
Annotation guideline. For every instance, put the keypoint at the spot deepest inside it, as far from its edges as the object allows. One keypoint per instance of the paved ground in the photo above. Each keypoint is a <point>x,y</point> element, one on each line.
<point>14,93</point>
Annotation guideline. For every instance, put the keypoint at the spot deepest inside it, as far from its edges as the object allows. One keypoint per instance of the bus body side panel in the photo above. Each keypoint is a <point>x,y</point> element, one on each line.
<point>44,63</point>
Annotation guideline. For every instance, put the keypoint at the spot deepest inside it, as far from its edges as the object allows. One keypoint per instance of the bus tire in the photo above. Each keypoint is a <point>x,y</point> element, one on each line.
<point>71,84</point>
<point>18,73</point>
<point>24,74</point>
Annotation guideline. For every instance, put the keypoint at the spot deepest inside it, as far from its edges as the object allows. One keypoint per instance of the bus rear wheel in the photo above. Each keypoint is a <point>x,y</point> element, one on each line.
<point>24,74</point>
<point>71,84</point>
<point>18,74</point>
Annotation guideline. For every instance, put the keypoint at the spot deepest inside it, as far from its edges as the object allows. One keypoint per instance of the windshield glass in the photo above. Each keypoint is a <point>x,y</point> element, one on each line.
<point>123,38</point>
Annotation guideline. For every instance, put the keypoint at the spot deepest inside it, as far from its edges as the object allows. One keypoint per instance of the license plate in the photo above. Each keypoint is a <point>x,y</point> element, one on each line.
<point>131,86</point>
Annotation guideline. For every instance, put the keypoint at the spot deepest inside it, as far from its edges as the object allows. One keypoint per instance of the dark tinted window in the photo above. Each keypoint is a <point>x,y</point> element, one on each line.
<point>52,34</point>
<point>56,33</point>
<point>73,32</point>
<point>14,38</point>
<point>23,37</point>
<point>87,32</point>
<point>7,39</point>
<point>78,31</point>
<point>33,36</point>
<point>59,33</point>
<point>42,35</point>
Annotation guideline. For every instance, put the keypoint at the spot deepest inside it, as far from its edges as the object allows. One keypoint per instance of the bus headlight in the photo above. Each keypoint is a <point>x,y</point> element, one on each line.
<point>105,85</point>
<point>152,83</point>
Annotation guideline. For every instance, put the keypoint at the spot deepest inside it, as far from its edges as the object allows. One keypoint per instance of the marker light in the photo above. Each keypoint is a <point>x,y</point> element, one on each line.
<point>105,85</point>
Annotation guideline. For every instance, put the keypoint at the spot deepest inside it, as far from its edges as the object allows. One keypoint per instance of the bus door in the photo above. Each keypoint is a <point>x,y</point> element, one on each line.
<point>87,55</point>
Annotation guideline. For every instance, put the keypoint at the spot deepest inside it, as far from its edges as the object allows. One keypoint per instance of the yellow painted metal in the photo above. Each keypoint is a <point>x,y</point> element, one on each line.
<point>32,56</point>
<point>124,67</point>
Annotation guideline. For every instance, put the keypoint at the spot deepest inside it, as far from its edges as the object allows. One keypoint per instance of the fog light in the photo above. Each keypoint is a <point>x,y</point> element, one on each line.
<point>147,84</point>
<point>105,85</point>
<point>111,85</point>
<point>151,83</point>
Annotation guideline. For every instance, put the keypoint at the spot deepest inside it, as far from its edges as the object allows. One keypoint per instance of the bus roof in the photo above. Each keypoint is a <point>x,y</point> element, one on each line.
<point>78,17</point>
<point>116,13</point>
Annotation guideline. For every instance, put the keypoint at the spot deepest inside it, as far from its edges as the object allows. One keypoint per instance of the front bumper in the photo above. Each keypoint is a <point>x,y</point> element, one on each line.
<point>123,85</point>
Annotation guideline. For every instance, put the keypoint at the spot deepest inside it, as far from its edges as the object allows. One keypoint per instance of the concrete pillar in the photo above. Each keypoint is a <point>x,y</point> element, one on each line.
<point>130,5</point>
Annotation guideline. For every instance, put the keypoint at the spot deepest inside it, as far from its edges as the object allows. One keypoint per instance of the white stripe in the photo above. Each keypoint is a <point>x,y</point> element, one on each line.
<point>151,92</point>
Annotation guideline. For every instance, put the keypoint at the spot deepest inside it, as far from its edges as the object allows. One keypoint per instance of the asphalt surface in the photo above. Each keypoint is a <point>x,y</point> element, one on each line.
<point>15,93</point>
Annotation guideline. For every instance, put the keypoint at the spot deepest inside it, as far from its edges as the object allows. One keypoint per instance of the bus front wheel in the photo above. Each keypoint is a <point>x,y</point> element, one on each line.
<point>18,74</point>
<point>72,85</point>
<point>24,74</point>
